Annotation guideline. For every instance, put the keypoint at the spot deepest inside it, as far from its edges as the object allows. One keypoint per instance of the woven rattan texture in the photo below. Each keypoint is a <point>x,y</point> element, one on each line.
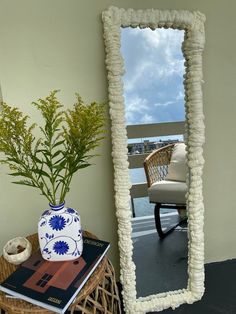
<point>105,297</point>
<point>156,164</point>
<point>99,294</point>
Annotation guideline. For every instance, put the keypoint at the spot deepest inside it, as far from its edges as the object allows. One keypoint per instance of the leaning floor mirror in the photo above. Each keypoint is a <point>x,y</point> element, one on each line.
<point>154,70</point>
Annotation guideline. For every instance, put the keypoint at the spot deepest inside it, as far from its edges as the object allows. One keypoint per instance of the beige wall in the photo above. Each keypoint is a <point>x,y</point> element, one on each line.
<point>58,44</point>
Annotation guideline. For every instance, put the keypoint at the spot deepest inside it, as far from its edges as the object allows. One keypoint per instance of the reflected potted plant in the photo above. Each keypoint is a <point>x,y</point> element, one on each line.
<point>49,161</point>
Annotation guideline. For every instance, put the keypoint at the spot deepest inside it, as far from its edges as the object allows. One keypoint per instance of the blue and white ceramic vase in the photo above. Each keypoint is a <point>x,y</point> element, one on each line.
<point>60,234</point>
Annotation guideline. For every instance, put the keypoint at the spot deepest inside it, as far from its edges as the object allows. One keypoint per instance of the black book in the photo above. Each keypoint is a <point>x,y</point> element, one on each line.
<point>54,285</point>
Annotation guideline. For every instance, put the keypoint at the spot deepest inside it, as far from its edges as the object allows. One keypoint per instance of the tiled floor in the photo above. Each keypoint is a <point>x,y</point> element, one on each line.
<point>162,266</point>
<point>220,292</point>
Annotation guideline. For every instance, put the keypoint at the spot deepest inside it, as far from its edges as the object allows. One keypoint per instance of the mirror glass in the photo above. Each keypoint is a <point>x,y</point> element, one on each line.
<point>155,123</point>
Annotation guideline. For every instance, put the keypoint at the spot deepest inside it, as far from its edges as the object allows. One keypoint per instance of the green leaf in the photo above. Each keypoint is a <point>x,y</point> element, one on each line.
<point>83,166</point>
<point>56,153</point>
<point>48,162</point>
<point>77,167</point>
<point>22,174</point>
<point>60,176</point>
<point>36,159</point>
<point>44,152</point>
<point>28,183</point>
<point>43,131</point>
<point>57,186</point>
<point>61,165</point>
<point>62,180</point>
<point>42,173</point>
<point>58,143</point>
<point>13,160</point>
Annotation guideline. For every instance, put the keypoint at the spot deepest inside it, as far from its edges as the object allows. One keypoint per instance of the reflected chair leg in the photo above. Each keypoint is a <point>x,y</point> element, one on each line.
<point>162,234</point>
<point>158,221</point>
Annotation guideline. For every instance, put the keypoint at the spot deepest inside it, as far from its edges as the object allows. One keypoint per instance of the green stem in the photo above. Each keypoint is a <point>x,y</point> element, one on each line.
<point>51,172</point>
<point>69,178</point>
<point>48,193</point>
<point>64,185</point>
<point>49,136</point>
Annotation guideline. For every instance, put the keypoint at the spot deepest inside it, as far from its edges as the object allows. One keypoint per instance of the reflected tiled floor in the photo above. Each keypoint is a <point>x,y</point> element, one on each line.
<point>161,265</point>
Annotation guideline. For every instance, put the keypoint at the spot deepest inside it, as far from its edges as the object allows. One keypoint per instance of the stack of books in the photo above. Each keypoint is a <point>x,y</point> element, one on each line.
<point>54,285</point>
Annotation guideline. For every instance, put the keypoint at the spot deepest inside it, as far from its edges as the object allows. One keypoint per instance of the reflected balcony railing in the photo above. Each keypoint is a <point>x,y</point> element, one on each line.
<point>140,150</point>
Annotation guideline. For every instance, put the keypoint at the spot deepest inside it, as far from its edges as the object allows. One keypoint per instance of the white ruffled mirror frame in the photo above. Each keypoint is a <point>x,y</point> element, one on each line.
<point>193,25</point>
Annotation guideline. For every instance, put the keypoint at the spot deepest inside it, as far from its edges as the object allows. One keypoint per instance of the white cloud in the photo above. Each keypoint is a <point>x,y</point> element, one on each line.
<point>154,60</point>
<point>180,95</point>
<point>158,57</point>
<point>164,104</point>
<point>131,82</point>
<point>147,118</point>
<point>134,106</point>
<point>152,38</point>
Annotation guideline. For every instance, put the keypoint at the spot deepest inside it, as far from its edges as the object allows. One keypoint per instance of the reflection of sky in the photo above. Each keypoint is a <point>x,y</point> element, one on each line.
<point>153,82</point>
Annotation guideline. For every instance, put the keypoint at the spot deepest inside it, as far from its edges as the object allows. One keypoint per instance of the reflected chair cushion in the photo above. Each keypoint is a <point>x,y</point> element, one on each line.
<point>167,191</point>
<point>177,168</point>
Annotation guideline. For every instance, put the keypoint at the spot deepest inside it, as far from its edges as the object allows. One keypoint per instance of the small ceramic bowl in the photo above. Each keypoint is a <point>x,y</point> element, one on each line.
<point>17,250</point>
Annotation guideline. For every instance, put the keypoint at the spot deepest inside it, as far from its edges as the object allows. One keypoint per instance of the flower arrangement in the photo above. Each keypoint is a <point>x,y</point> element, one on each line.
<point>66,139</point>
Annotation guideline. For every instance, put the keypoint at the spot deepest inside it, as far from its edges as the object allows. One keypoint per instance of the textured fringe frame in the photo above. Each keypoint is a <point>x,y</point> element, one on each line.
<point>193,25</point>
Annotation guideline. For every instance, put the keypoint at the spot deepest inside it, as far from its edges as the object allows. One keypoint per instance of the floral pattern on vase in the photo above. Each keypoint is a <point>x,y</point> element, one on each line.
<point>60,234</point>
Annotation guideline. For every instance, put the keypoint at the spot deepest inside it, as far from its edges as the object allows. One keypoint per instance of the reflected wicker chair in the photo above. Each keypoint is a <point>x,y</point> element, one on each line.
<point>164,193</point>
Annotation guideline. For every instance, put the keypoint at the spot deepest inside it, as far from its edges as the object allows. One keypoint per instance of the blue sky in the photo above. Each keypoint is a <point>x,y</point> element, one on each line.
<point>153,82</point>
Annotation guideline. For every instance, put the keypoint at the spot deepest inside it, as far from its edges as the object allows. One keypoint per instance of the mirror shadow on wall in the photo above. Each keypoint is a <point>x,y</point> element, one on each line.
<point>155,120</point>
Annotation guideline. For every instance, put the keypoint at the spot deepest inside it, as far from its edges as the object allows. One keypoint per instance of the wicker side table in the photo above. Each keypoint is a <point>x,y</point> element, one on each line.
<point>99,294</point>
